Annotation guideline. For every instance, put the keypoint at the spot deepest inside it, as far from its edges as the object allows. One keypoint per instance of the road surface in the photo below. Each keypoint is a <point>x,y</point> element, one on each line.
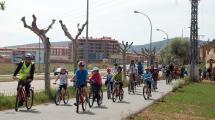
<point>108,110</point>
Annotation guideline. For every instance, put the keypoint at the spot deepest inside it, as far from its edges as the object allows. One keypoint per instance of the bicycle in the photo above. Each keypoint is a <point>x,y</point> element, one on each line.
<point>21,97</point>
<point>109,90</point>
<point>146,91</point>
<point>93,95</point>
<point>131,87</point>
<point>81,99</point>
<point>117,92</point>
<point>61,95</point>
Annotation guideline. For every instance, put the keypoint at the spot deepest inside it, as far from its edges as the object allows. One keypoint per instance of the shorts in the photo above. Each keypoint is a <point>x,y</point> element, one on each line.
<point>64,86</point>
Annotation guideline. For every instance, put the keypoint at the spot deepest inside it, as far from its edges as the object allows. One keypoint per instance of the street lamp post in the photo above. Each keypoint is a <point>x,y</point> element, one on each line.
<point>87,35</point>
<point>150,44</point>
<point>167,36</point>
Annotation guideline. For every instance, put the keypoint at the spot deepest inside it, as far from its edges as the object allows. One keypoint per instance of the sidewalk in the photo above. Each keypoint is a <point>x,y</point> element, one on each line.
<point>108,111</point>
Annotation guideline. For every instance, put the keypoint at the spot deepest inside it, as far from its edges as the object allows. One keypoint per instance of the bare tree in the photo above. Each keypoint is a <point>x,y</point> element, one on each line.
<point>74,41</point>
<point>145,53</point>
<point>124,49</point>
<point>2,5</point>
<point>41,33</point>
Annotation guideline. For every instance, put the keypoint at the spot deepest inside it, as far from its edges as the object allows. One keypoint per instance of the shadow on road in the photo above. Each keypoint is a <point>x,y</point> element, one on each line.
<point>101,107</point>
<point>30,111</point>
<point>65,105</point>
<point>88,113</point>
<point>125,102</point>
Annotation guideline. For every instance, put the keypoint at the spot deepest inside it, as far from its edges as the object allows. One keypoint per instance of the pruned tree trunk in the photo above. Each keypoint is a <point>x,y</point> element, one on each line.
<point>41,33</point>
<point>74,41</point>
<point>123,49</point>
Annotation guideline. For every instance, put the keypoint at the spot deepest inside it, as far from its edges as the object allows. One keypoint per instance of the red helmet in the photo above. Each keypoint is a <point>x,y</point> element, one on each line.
<point>108,69</point>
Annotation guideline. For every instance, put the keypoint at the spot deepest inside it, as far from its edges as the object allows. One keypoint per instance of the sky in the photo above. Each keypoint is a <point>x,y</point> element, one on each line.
<point>112,18</point>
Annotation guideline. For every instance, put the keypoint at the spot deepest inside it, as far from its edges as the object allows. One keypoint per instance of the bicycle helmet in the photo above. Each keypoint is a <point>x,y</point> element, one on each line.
<point>81,63</point>
<point>108,69</point>
<point>28,56</point>
<point>95,69</point>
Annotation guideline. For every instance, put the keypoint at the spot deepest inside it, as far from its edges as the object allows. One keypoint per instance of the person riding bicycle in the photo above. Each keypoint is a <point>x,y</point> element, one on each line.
<point>81,77</point>
<point>132,71</point>
<point>109,77</point>
<point>140,68</point>
<point>63,76</point>
<point>118,77</point>
<point>155,73</point>
<point>97,81</point>
<point>114,69</point>
<point>148,79</point>
<point>26,70</point>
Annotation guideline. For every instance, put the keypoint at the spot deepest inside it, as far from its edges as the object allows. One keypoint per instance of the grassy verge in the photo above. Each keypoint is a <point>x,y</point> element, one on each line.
<point>192,102</point>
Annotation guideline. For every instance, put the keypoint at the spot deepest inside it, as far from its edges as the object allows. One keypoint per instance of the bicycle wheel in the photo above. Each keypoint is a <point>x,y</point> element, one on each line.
<point>17,102</point>
<point>145,92</point>
<point>84,100</point>
<point>91,99</point>
<point>66,97</point>
<point>99,101</point>
<point>77,100</point>
<point>133,87</point>
<point>30,100</point>
<point>121,96</point>
<point>114,95</point>
<point>108,91</point>
<point>57,97</point>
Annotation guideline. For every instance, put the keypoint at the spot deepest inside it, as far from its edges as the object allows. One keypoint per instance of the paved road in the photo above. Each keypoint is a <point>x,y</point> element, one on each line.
<point>9,88</point>
<point>108,111</point>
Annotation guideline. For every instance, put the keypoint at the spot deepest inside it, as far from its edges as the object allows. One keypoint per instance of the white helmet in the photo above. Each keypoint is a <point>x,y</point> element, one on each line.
<point>95,69</point>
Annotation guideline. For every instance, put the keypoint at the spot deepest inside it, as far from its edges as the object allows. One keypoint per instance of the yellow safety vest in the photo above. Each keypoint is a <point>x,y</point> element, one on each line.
<point>25,71</point>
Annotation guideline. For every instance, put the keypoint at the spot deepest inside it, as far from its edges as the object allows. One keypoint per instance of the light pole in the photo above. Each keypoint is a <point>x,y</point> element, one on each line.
<point>167,36</point>
<point>150,44</point>
<point>87,48</point>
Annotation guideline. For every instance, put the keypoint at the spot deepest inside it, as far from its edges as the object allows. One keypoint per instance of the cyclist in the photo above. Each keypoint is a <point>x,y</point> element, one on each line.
<point>63,76</point>
<point>148,79</point>
<point>132,71</point>
<point>81,77</point>
<point>140,68</point>
<point>114,69</point>
<point>97,81</point>
<point>118,77</point>
<point>26,70</point>
<point>154,71</point>
<point>109,77</point>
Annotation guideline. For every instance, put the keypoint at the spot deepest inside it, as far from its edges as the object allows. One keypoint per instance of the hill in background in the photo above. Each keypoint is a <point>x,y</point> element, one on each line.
<point>158,45</point>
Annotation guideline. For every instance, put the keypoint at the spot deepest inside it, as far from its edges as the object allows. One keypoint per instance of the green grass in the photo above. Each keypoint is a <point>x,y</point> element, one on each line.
<point>194,101</point>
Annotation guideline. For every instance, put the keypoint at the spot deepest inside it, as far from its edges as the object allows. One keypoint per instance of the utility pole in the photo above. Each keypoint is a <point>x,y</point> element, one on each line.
<point>87,37</point>
<point>194,41</point>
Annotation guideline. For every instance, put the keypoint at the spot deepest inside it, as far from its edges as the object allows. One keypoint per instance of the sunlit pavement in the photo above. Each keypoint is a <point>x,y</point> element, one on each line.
<point>108,110</point>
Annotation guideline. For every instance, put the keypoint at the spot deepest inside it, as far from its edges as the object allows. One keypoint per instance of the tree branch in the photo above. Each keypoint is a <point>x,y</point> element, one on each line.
<point>50,26</point>
<point>2,5</point>
<point>80,30</point>
<point>65,30</point>
<point>25,24</point>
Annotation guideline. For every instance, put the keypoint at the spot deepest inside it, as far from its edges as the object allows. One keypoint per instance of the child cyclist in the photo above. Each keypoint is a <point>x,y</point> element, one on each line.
<point>118,77</point>
<point>109,81</point>
<point>148,79</point>
<point>96,80</point>
<point>63,77</point>
<point>81,77</point>
<point>109,77</point>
